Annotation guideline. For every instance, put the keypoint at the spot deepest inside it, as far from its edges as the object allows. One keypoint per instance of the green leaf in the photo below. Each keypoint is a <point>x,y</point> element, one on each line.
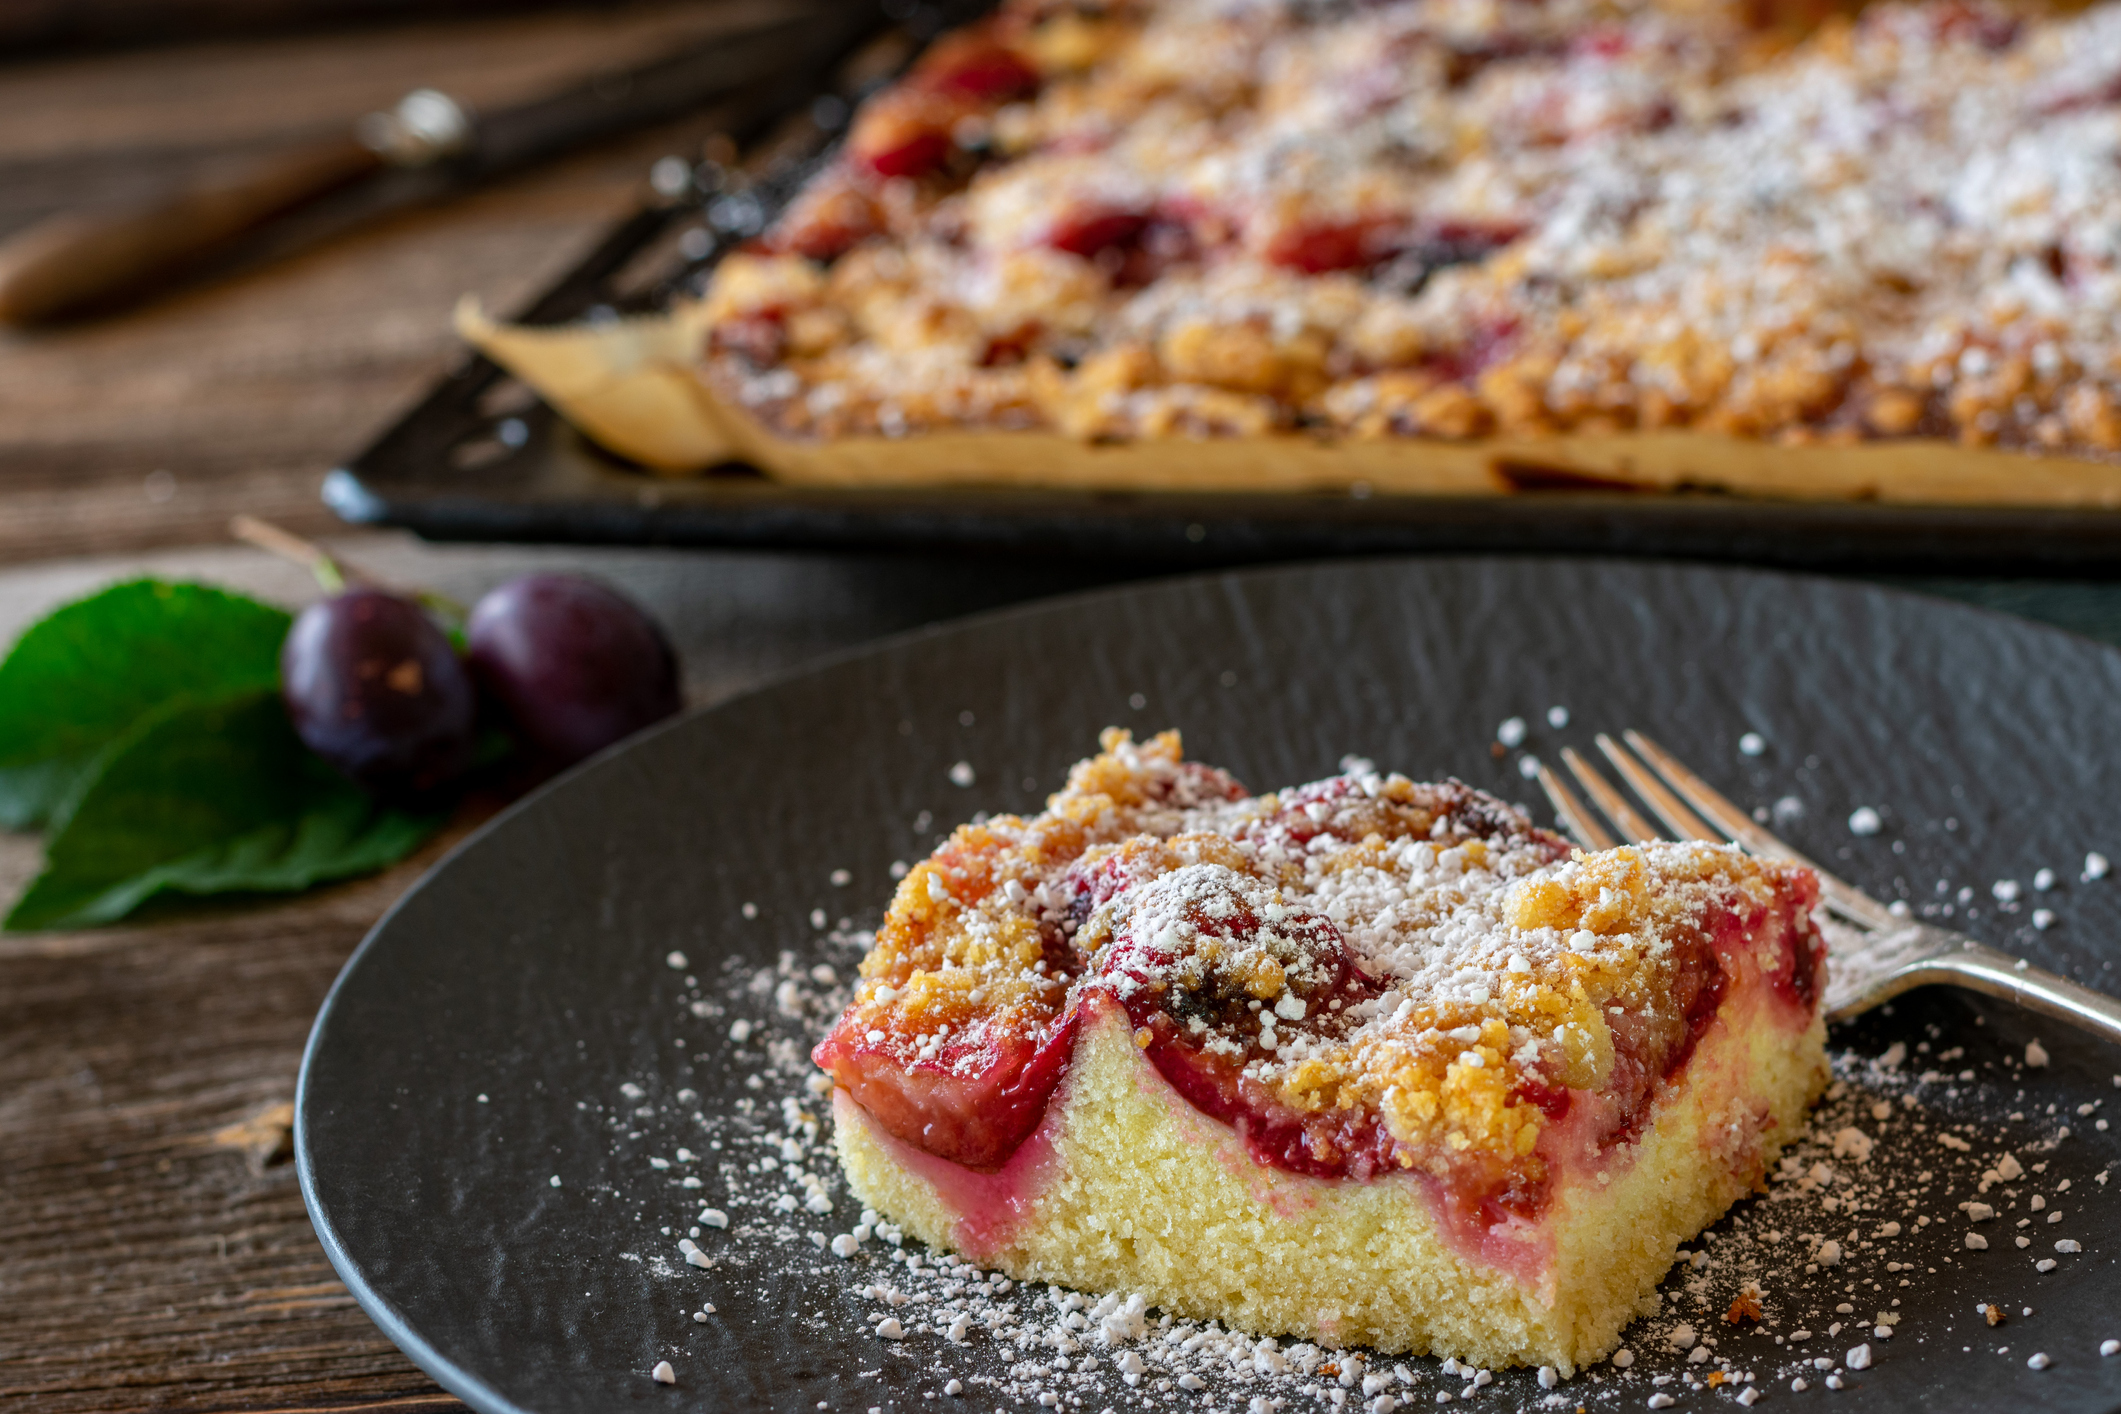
<point>82,676</point>
<point>203,798</point>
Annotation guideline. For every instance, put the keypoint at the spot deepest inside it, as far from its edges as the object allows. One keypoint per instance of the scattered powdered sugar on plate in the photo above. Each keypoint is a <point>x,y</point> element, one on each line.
<point>1905,1158</point>
<point>1936,1163</point>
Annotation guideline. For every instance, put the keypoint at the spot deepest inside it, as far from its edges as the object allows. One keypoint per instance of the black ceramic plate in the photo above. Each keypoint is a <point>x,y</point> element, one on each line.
<point>479,1173</point>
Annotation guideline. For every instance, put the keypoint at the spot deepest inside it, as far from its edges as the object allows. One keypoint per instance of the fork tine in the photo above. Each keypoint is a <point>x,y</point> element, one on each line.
<point>1574,818</point>
<point>1683,823</point>
<point>1843,897</point>
<point>1612,802</point>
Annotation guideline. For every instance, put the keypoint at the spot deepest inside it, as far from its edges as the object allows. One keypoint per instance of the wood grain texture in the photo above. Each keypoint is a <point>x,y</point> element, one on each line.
<point>85,259</point>
<point>27,25</point>
<point>147,1265</point>
<point>144,1264</point>
<point>240,392</point>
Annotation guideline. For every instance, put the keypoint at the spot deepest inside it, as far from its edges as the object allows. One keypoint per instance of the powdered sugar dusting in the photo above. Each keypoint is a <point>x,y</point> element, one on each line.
<point>1400,969</point>
<point>1894,1162</point>
<point>1444,219</point>
<point>1926,1135</point>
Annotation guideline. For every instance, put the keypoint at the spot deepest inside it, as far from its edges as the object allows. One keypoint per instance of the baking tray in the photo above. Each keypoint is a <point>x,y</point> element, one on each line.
<point>481,458</point>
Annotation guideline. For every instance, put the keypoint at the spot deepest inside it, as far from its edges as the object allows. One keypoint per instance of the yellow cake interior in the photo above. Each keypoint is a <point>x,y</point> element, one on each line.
<point>1140,1192</point>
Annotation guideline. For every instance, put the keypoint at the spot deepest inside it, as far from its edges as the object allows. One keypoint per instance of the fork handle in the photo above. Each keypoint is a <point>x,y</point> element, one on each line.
<point>1984,969</point>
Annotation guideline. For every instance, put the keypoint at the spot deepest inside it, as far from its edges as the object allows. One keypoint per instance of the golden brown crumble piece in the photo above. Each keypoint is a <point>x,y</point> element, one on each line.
<point>1415,220</point>
<point>1383,973</point>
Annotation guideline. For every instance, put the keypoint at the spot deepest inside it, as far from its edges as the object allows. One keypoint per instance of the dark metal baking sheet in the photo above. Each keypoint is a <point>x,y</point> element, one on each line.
<point>479,458</point>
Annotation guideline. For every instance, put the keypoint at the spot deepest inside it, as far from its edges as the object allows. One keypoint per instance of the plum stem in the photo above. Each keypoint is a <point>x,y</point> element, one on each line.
<point>333,574</point>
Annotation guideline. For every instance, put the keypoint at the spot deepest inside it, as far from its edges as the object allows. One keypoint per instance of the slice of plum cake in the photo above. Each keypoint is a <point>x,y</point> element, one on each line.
<point>1366,1062</point>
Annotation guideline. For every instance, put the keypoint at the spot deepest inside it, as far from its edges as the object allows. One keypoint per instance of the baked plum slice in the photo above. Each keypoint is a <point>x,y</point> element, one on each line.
<point>912,129</point>
<point>976,67</point>
<point>1398,252</point>
<point>1734,943</point>
<point>830,218</point>
<point>1447,812</point>
<point>904,135</point>
<point>1133,247</point>
<point>1218,975</point>
<point>973,1099</point>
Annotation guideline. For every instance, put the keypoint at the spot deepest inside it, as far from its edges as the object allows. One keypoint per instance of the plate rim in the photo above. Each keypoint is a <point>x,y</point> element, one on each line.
<point>476,1391</point>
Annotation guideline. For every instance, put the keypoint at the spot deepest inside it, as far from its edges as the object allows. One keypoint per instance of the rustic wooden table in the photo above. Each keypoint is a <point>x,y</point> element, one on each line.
<point>154,1252</point>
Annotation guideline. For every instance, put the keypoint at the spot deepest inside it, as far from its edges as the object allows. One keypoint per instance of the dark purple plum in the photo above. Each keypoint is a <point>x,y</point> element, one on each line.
<point>574,666</point>
<point>374,687</point>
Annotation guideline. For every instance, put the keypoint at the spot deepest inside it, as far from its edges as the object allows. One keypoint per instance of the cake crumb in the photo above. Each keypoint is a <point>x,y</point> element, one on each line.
<point>1830,1188</point>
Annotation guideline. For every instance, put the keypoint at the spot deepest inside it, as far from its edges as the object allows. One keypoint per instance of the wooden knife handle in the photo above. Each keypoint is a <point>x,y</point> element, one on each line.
<point>78,260</point>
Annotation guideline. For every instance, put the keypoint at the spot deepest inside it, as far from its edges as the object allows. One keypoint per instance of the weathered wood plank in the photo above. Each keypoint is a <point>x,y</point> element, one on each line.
<point>153,1248</point>
<point>242,391</point>
<point>145,1264</point>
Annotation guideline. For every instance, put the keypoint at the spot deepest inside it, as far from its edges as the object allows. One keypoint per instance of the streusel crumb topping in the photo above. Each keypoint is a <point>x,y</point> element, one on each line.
<point>1458,218</point>
<point>1373,972</point>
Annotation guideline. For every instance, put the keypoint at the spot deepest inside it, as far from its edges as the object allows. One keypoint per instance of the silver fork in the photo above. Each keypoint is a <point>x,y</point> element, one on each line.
<point>1873,954</point>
